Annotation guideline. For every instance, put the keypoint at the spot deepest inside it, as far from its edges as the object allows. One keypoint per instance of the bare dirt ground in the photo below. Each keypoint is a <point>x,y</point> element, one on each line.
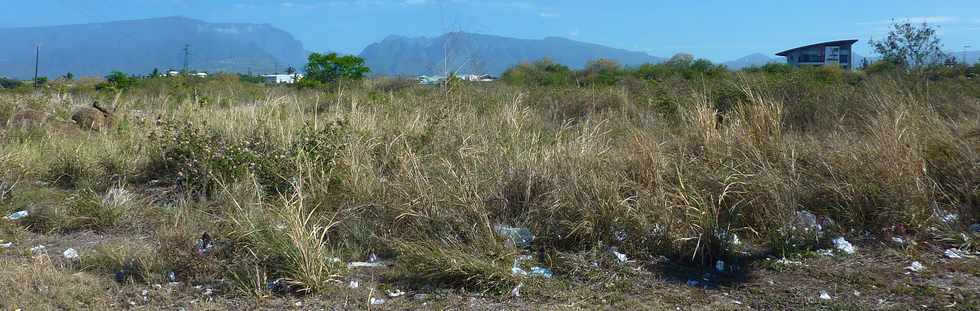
<point>877,277</point>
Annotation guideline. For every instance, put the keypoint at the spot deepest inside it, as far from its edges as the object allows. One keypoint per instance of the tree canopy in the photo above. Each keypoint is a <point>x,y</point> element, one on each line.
<point>328,68</point>
<point>911,46</point>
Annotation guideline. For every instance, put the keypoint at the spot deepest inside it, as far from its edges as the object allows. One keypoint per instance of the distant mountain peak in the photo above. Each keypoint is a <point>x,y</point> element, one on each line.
<point>484,53</point>
<point>752,60</point>
<point>139,46</point>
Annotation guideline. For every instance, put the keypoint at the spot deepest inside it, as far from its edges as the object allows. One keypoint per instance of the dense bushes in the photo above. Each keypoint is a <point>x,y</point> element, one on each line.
<point>6,83</point>
<point>686,161</point>
<point>195,157</point>
<point>543,73</point>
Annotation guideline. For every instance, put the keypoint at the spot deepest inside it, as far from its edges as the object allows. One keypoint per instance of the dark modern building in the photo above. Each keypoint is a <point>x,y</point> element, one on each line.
<point>827,53</point>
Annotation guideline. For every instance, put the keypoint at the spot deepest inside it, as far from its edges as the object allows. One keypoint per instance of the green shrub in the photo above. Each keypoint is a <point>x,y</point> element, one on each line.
<point>194,157</point>
<point>601,72</point>
<point>540,73</point>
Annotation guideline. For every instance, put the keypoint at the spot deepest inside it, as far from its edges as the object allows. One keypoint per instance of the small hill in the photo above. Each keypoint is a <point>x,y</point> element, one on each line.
<point>139,46</point>
<point>479,53</point>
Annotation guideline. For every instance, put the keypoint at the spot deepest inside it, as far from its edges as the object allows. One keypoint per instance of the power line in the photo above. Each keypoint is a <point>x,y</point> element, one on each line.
<point>187,56</point>
<point>37,59</point>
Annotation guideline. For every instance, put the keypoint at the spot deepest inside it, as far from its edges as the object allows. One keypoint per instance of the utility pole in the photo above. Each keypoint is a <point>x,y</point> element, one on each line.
<point>37,58</point>
<point>187,56</point>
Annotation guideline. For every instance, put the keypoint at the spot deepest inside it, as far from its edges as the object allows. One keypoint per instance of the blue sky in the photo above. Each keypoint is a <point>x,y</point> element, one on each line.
<point>717,30</point>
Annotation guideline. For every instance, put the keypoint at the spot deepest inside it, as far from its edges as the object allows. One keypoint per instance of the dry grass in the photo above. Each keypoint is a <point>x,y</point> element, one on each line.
<point>287,180</point>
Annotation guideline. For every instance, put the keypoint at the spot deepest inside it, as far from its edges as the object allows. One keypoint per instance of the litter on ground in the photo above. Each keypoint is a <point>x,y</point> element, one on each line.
<point>844,246</point>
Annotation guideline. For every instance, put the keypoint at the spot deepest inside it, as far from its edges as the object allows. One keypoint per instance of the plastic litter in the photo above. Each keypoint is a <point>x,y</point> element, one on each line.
<point>7,245</point>
<point>203,245</point>
<point>720,266</point>
<point>788,262</point>
<point>622,257</point>
<point>898,240</point>
<point>17,215</point>
<point>520,237</point>
<point>948,218</point>
<point>361,264</point>
<point>377,301</point>
<point>620,235</point>
<point>916,267</point>
<point>844,246</point>
<point>395,293</point>
<point>70,253</point>
<point>39,249</point>
<point>541,272</point>
<point>824,295</point>
<point>354,284</point>
<point>955,253</point>
<point>536,271</point>
<point>373,258</point>
<point>693,283</point>
<point>171,276</point>
<point>808,222</point>
<point>516,292</point>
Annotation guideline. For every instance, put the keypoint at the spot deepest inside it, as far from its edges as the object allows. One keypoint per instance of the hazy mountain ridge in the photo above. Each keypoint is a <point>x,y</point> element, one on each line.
<point>480,53</point>
<point>753,60</point>
<point>139,46</point>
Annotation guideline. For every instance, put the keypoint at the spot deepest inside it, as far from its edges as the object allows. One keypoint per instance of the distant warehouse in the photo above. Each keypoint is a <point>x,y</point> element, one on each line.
<point>282,79</point>
<point>820,54</point>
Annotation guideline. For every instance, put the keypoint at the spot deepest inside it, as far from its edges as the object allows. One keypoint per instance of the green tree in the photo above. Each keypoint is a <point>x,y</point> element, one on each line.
<point>69,76</point>
<point>543,72</point>
<point>329,68</point>
<point>117,80</point>
<point>290,70</point>
<point>155,73</point>
<point>910,46</point>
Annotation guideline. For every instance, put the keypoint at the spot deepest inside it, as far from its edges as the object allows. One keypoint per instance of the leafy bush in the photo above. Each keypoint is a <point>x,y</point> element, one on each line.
<point>6,83</point>
<point>681,66</point>
<point>540,73</point>
<point>117,81</point>
<point>195,157</point>
<point>601,72</point>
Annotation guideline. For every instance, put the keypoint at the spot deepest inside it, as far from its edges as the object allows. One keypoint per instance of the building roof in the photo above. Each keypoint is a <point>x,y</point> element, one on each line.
<point>839,42</point>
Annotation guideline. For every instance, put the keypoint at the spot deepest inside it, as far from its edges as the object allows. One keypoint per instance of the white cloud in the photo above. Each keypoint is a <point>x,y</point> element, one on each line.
<point>574,33</point>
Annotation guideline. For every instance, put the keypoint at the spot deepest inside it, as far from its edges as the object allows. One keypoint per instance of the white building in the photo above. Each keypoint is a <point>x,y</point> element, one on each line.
<point>477,78</point>
<point>282,78</point>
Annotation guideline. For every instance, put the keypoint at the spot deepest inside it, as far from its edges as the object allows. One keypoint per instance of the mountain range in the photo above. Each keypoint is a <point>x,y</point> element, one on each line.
<point>480,53</point>
<point>139,46</point>
<point>753,60</point>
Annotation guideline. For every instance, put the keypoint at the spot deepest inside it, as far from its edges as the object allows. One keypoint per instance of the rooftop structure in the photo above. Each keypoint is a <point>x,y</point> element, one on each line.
<point>820,54</point>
